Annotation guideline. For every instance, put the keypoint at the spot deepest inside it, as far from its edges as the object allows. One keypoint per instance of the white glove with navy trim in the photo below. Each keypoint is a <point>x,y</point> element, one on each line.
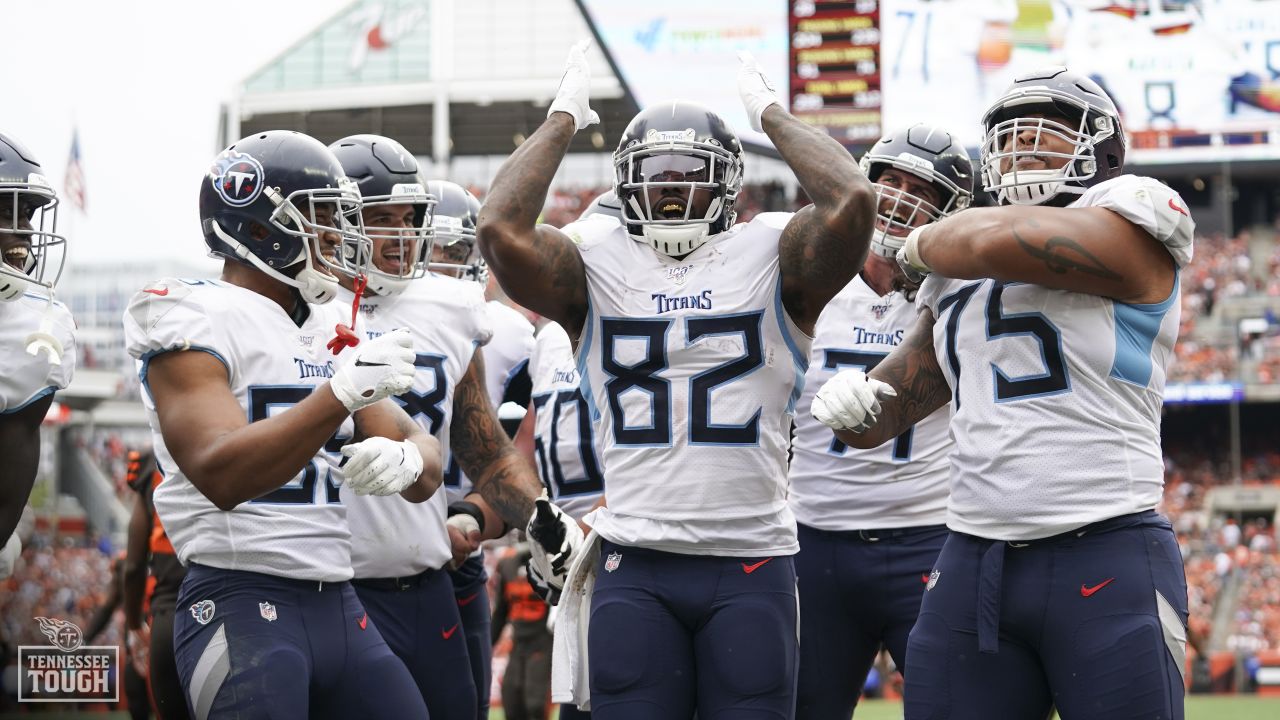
<point>380,368</point>
<point>756,90</point>
<point>574,95</point>
<point>850,401</point>
<point>381,466</point>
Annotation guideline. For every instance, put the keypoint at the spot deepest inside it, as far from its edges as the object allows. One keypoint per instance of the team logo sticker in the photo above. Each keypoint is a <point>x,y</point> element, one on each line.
<point>933,579</point>
<point>202,611</point>
<point>67,670</point>
<point>268,611</point>
<point>612,562</point>
<point>237,177</point>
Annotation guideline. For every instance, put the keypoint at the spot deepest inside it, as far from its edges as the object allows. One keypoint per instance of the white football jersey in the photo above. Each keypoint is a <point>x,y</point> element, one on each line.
<point>1056,395</point>
<point>300,529</point>
<point>391,537</point>
<point>505,357</point>
<point>694,369</point>
<point>26,377</point>
<point>902,483</point>
<point>564,436</point>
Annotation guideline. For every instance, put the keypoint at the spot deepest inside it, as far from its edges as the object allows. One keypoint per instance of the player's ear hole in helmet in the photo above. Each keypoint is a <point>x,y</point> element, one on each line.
<point>678,172</point>
<point>280,202</point>
<point>396,208</point>
<point>32,253</point>
<point>921,175</point>
<point>455,251</point>
<point>1050,136</point>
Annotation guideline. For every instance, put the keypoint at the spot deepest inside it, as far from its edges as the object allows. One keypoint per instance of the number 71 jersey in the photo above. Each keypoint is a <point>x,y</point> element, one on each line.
<point>693,369</point>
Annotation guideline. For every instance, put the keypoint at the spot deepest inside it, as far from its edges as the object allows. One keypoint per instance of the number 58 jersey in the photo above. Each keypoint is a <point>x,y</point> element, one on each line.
<point>693,368</point>
<point>1056,395</point>
<point>298,530</point>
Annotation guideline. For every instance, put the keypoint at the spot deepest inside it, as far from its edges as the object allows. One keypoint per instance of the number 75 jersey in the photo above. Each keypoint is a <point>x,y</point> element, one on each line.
<point>693,369</point>
<point>1056,395</point>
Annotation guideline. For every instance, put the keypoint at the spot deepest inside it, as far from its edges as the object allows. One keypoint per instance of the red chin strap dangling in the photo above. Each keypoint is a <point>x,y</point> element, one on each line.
<point>345,336</point>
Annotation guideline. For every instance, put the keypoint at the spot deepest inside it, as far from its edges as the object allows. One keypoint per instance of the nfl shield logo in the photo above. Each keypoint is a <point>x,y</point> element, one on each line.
<point>268,611</point>
<point>933,579</point>
<point>203,611</point>
<point>612,562</point>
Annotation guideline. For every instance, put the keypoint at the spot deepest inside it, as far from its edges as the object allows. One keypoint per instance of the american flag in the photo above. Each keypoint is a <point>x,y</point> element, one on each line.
<point>73,186</point>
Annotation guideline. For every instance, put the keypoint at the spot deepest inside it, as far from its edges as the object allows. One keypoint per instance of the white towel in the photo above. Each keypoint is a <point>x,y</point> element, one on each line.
<point>569,672</point>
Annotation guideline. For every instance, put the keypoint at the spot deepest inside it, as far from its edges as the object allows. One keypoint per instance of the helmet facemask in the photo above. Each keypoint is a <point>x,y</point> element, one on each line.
<point>1002,151</point>
<point>898,211</point>
<point>456,252</point>
<point>408,247</point>
<point>706,173</point>
<point>31,250</point>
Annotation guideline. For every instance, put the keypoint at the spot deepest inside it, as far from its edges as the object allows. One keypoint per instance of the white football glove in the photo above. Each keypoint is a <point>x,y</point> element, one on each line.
<point>556,538</point>
<point>756,90</point>
<point>850,401</point>
<point>908,257</point>
<point>381,466</point>
<point>380,368</point>
<point>574,95</point>
<point>9,555</point>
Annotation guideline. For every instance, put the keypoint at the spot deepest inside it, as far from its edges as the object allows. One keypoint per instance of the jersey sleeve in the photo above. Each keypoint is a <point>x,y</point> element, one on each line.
<point>64,328</point>
<point>1152,206</point>
<point>172,315</point>
<point>29,376</point>
<point>478,313</point>
<point>929,292</point>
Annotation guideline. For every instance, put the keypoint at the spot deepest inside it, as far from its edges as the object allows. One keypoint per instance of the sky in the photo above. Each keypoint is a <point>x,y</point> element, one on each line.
<point>143,81</point>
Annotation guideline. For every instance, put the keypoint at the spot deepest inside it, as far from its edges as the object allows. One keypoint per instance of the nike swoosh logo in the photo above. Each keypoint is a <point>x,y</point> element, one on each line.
<point>157,291</point>
<point>361,363</point>
<point>748,569</point>
<point>1086,591</point>
<point>446,634</point>
<point>1174,206</point>
<point>362,622</point>
<point>924,579</point>
<point>463,602</point>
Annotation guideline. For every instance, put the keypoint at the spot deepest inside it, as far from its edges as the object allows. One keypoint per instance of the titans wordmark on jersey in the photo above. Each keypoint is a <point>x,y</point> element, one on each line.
<point>902,483</point>
<point>391,537</point>
<point>1056,395</point>
<point>694,369</point>
<point>298,530</point>
<point>26,377</point>
<point>563,434</point>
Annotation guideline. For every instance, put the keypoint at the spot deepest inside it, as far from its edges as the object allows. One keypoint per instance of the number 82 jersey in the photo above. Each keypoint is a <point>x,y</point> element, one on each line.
<point>693,369</point>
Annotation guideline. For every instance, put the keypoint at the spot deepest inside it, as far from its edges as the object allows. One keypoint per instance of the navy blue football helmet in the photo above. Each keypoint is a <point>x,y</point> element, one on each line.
<point>387,174</point>
<point>673,159</point>
<point>31,250</point>
<point>1093,133</point>
<point>456,251</point>
<point>281,202</point>
<point>933,155</point>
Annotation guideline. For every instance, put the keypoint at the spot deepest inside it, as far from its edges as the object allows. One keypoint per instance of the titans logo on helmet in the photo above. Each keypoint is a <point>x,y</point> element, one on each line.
<point>237,177</point>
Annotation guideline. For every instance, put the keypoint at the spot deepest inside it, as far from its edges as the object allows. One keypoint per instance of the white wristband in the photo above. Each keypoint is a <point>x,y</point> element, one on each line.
<point>911,250</point>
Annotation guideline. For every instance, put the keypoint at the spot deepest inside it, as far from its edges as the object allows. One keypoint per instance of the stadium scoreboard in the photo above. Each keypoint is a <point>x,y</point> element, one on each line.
<point>834,58</point>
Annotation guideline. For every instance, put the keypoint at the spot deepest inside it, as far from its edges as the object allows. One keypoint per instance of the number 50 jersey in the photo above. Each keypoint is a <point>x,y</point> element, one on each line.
<point>694,369</point>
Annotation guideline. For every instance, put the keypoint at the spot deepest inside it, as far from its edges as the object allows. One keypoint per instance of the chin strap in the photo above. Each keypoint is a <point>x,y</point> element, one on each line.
<point>345,336</point>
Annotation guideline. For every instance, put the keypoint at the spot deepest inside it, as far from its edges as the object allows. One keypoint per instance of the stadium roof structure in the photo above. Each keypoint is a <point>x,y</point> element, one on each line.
<point>444,77</point>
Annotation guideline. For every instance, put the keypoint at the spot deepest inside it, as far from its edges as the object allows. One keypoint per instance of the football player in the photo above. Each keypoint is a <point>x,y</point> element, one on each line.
<point>693,334</point>
<point>37,334</point>
<point>401,551</point>
<point>505,376</point>
<point>251,414</point>
<point>871,522</point>
<point>1047,324</point>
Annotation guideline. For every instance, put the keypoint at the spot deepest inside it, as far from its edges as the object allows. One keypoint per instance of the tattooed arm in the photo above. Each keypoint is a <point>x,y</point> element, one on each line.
<point>503,478</point>
<point>537,265</point>
<point>911,369</point>
<point>824,244</point>
<point>1089,249</point>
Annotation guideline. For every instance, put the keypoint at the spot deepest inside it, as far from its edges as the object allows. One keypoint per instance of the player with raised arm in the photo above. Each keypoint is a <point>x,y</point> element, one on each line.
<point>1047,324</point>
<point>692,335</point>
<point>37,334</point>
<point>251,414</point>
<point>871,522</point>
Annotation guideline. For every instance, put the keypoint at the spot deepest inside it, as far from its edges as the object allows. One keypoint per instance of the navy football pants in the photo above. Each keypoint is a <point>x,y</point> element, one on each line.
<point>472,597</point>
<point>255,646</point>
<point>1092,621</point>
